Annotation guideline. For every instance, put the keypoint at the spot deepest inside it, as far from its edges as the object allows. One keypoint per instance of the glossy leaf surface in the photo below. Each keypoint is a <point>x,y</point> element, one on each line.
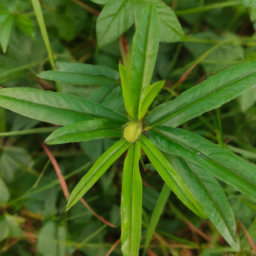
<point>150,95</point>
<point>53,107</point>
<point>161,202</point>
<point>115,18</point>
<point>144,52</point>
<point>97,170</point>
<point>131,203</point>
<point>170,176</point>
<point>219,162</point>
<point>86,130</point>
<point>210,196</point>
<point>210,94</point>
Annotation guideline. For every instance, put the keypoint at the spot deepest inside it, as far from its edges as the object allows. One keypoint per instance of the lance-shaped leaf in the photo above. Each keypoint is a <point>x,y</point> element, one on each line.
<point>131,203</point>
<point>77,78</point>
<point>210,94</point>
<point>53,107</point>
<point>97,170</point>
<point>169,175</point>
<point>219,162</point>
<point>210,196</point>
<point>6,23</point>
<point>161,202</point>
<point>115,18</point>
<point>86,130</point>
<point>144,52</point>
<point>150,95</point>
<point>87,69</point>
<point>128,96</point>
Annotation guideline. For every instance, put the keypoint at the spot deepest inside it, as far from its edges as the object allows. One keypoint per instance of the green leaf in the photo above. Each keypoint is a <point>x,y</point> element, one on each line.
<point>249,3</point>
<point>150,95</point>
<point>102,93</point>
<point>53,107</point>
<point>247,100</point>
<point>4,192</point>
<point>76,78</point>
<point>210,196</point>
<point>128,96</point>
<point>170,28</point>
<point>162,200</point>
<point>115,18</point>
<point>144,52</point>
<point>97,170</point>
<point>219,162</point>
<point>4,228</point>
<point>86,130</point>
<point>87,69</point>
<point>5,31</point>
<point>210,94</point>
<point>46,240</point>
<point>131,203</point>
<point>169,175</point>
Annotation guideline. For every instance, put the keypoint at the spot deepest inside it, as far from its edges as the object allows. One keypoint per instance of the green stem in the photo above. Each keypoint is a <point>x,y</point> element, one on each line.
<point>30,131</point>
<point>40,19</point>
<point>207,7</point>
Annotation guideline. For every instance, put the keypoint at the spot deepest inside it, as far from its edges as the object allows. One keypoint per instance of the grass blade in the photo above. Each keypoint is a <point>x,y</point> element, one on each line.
<point>161,202</point>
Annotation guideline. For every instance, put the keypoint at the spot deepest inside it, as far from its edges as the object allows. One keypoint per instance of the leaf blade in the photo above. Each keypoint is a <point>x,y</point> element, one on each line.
<point>211,197</point>
<point>53,107</point>
<point>84,131</point>
<point>219,162</point>
<point>115,18</point>
<point>161,202</point>
<point>150,95</point>
<point>144,52</point>
<point>168,174</point>
<point>97,170</point>
<point>210,94</point>
<point>131,203</point>
<point>77,78</point>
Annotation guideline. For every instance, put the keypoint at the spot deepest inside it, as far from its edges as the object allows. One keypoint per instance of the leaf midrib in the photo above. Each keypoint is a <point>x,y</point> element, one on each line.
<point>168,118</point>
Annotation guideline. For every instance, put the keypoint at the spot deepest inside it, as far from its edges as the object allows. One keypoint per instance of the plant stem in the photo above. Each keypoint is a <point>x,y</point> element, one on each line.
<point>40,19</point>
<point>207,7</point>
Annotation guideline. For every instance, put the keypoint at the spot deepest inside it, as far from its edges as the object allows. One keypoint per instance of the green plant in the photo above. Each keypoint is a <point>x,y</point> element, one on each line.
<point>187,162</point>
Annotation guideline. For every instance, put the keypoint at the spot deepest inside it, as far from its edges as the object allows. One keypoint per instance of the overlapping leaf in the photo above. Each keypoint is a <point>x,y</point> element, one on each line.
<point>219,162</point>
<point>131,203</point>
<point>210,196</point>
<point>53,107</point>
<point>144,52</point>
<point>171,177</point>
<point>206,96</point>
<point>97,170</point>
<point>86,130</point>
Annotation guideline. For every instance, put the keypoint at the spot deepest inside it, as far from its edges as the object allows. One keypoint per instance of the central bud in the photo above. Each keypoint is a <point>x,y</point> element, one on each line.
<point>132,131</point>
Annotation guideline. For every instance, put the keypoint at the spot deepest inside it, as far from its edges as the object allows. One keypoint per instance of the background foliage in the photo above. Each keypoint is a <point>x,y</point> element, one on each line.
<point>32,206</point>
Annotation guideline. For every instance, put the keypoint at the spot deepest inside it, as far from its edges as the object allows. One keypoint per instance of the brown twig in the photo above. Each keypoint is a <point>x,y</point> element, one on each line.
<point>151,253</point>
<point>86,7</point>
<point>64,187</point>
<point>198,231</point>
<point>113,247</point>
<point>248,237</point>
